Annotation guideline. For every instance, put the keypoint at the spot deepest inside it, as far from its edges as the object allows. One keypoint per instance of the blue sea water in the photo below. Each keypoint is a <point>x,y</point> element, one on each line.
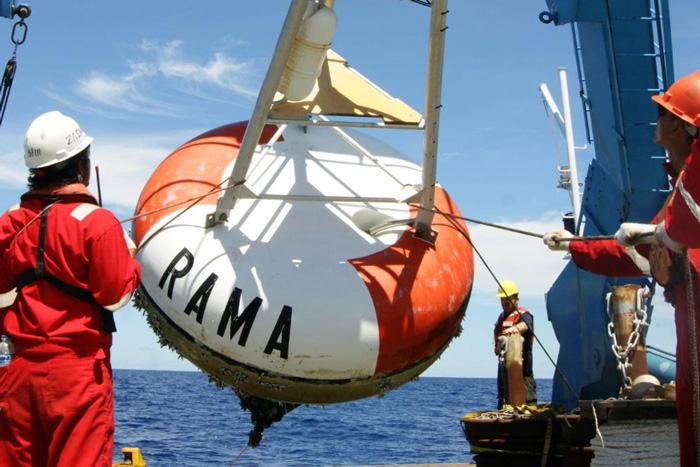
<point>180,419</point>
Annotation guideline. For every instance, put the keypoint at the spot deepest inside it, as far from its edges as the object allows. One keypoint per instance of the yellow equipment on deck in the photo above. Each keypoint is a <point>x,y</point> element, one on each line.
<point>132,457</point>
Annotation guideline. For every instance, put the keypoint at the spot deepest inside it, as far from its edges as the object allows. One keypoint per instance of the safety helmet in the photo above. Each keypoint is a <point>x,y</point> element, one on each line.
<point>507,289</point>
<point>52,138</point>
<point>683,98</point>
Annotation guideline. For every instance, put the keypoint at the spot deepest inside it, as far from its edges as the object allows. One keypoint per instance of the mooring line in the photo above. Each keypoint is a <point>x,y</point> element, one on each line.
<point>233,462</point>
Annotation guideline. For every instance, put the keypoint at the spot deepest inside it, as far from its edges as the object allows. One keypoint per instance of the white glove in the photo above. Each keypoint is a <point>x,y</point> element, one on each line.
<point>557,240</point>
<point>662,237</point>
<point>130,244</point>
<point>631,234</point>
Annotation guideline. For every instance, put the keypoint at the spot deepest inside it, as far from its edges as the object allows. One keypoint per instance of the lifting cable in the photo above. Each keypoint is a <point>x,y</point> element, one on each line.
<point>18,36</point>
<point>511,229</point>
<point>193,201</point>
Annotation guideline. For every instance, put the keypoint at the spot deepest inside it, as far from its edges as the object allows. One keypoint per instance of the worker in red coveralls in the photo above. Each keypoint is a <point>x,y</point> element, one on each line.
<point>68,262</point>
<point>660,248</point>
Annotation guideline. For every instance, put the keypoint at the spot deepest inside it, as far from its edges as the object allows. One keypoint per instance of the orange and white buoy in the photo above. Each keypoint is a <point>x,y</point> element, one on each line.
<point>292,299</point>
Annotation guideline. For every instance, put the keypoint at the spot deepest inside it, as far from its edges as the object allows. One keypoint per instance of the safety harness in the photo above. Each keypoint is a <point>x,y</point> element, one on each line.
<point>39,273</point>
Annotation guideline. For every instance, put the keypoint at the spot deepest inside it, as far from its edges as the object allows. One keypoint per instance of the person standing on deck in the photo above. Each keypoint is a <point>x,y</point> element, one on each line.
<point>68,262</point>
<point>660,248</point>
<point>514,320</point>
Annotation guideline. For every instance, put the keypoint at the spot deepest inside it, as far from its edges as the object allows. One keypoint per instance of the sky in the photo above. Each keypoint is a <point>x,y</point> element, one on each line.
<point>143,80</point>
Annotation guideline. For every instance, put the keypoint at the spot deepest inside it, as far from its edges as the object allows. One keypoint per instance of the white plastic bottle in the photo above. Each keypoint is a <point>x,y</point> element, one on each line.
<point>7,350</point>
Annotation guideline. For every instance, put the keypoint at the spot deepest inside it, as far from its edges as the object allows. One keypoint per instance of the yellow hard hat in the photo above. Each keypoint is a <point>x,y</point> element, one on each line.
<point>506,289</point>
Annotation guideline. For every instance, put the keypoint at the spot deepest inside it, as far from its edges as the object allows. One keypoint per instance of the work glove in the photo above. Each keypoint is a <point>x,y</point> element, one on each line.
<point>662,237</point>
<point>130,244</point>
<point>631,234</point>
<point>557,240</point>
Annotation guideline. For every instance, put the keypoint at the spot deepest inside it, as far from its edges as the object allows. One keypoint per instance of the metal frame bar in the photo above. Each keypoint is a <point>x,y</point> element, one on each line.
<point>433,96</point>
<point>347,124</point>
<point>291,26</point>
<point>430,125</point>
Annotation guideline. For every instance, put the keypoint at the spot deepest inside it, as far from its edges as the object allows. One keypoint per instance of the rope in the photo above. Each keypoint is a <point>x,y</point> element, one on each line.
<point>512,229</point>
<point>193,202</point>
<point>233,462</point>
<point>597,427</point>
<point>547,443</point>
<point>643,442</point>
<point>196,200</point>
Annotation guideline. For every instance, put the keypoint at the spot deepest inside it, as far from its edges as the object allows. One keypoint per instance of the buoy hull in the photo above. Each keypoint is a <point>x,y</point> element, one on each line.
<point>290,299</point>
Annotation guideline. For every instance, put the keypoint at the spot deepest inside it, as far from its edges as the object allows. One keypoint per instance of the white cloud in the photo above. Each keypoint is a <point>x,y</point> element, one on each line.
<point>121,93</point>
<point>520,258</point>
<point>127,162</point>
<point>13,172</point>
<point>153,82</point>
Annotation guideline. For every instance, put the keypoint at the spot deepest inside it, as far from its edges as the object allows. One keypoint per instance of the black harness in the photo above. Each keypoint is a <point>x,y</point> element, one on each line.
<point>39,273</point>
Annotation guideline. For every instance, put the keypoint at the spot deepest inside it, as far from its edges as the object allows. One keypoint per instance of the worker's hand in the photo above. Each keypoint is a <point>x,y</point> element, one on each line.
<point>511,330</point>
<point>631,234</point>
<point>501,344</point>
<point>557,240</point>
<point>130,244</point>
<point>662,237</point>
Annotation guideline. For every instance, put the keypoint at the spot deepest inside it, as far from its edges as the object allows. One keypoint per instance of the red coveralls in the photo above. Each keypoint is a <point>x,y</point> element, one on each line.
<point>609,258</point>
<point>56,406</point>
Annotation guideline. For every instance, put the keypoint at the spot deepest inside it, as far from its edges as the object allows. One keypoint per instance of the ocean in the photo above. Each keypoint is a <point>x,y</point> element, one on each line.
<point>180,419</point>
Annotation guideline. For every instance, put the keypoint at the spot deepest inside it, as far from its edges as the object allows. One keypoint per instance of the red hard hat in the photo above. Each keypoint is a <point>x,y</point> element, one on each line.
<point>683,98</point>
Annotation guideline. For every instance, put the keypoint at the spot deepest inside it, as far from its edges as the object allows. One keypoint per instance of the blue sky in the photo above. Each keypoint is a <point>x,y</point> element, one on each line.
<point>144,78</point>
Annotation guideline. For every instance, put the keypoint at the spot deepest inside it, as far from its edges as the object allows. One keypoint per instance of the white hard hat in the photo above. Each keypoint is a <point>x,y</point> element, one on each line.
<point>53,138</point>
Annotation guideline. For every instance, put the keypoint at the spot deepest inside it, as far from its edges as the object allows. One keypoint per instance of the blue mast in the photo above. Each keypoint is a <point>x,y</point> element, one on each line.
<point>623,51</point>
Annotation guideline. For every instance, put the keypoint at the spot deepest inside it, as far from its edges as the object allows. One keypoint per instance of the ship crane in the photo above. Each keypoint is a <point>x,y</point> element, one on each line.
<point>623,52</point>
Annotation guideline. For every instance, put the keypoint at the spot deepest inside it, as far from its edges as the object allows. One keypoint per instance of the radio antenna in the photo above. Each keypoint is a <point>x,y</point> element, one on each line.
<point>99,189</point>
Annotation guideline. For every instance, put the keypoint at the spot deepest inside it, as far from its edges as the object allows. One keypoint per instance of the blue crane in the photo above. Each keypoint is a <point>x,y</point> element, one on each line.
<point>623,52</point>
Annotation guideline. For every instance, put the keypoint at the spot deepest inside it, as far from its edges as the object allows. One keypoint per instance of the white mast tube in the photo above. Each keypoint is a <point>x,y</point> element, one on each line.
<point>549,100</point>
<point>569,135</point>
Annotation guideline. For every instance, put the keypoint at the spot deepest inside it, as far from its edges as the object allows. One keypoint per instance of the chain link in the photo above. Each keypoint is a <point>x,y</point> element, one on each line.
<point>624,357</point>
<point>504,348</point>
<point>19,32</point>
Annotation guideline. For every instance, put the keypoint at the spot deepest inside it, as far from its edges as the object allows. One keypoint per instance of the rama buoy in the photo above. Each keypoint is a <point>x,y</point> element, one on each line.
<point>316,289</point>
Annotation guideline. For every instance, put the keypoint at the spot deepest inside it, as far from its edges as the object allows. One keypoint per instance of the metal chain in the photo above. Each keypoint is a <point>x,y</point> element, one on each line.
<point>19,32</point>
<point>624,357</point>
<point>504,348</point>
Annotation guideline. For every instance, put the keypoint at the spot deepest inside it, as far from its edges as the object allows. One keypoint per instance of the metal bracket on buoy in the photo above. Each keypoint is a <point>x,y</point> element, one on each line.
<point>425,233</point>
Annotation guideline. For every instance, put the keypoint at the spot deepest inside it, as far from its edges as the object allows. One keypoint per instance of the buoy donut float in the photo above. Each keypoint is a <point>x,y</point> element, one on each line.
<point>290,299</point>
